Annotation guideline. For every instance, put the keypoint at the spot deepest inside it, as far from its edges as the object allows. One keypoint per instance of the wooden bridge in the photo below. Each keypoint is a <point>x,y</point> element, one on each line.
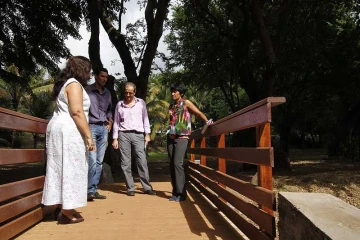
<point>219,206</point>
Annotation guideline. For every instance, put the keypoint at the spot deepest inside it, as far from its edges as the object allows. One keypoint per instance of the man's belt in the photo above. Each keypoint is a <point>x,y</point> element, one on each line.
<point>132,131</point>
<point>100,123</point>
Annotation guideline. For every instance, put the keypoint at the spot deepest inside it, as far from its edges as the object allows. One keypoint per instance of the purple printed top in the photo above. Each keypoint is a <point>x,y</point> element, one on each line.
<point>131,118</point>
<point>100,108</point>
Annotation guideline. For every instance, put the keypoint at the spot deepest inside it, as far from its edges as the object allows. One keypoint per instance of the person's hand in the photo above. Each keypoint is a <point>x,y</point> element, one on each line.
<point>108,127</point>
<point>115,144</point>
<point>90,145</point>
<point>210,121</point>
<point>147,139</point>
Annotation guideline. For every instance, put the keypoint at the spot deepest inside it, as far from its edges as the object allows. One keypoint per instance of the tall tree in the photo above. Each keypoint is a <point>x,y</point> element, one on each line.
<point>155,15</point>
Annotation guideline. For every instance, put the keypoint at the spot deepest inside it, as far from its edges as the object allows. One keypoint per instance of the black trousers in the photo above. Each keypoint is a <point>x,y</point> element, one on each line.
<point>178,164</point>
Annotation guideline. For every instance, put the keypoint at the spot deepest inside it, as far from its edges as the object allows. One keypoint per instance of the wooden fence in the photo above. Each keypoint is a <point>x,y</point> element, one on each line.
<point>250,207</point>
<point>20,201</point>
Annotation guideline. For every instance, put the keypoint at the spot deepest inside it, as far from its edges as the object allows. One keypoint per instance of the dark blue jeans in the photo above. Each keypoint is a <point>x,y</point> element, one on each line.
<point>100,136</point>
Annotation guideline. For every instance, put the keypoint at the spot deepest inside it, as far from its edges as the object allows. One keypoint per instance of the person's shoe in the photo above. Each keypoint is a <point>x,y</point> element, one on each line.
<point>90,196</point>
<point>98,196</point>
<point>180,198</point>
<point>56,213</point>
<point>62,219</point>
<point>130,193</point>
<point>150,192</point>
<point>173,198</point>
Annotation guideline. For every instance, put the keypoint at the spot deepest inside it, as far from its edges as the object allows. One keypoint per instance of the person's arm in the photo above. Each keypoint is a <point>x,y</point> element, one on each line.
<point>108,126</point>
<point>195,110</point>
<point>115,143</point>
<point>109,114</point>
<point>74,93</point>
<point>146,123</point>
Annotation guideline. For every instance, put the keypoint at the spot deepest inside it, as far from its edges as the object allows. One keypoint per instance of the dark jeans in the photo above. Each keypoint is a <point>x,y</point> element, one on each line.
<point>96,158</point>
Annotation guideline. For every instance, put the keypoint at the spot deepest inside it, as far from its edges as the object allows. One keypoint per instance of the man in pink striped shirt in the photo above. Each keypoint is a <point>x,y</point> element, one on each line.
<point>131,129</point>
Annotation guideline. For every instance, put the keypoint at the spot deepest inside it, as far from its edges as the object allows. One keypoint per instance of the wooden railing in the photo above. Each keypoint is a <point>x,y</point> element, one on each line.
<point>250,207</point>
<point>20,201</point>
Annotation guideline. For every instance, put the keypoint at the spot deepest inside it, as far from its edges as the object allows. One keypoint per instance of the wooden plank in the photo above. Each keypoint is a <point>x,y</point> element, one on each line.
<point>17,207</point>
<point>192,145</point>
<point>22,115</point>
<point>262,219</point>
<point>221,161</point>
<point>21,122</point>
<point>247,228</point>
<point>264,172</point>
<point>13,228</point>
<point>11,190</point>
<point>257,156</point>
<point>271,101</point>
<point>274,101</point>
<point>260,195</point>
<point>15,156</point>
<point>253,118</point>
<point>202,146</point>
<point>203,130</point>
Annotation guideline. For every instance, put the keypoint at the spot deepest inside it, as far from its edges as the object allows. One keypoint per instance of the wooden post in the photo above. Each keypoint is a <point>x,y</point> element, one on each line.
<point>192,145</point>
<point>263,139</point>
<point>203,157</point>
<point>221,161</point>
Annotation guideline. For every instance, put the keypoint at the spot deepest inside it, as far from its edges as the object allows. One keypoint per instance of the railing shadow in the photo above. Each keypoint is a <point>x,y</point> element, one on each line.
<point>203,219</point>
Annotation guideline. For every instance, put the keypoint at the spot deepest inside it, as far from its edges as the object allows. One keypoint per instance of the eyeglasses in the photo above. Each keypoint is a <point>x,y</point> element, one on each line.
<point>129,93</point>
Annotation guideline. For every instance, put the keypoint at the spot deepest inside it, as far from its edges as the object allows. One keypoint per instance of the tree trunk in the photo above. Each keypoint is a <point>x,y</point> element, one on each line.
<point>111,155</point>
<point>35,136</point>
<point>259,20</point>
<point>118,40</point>
<point>94,43</point>
<point>284,131</point>
<point>155,31</point>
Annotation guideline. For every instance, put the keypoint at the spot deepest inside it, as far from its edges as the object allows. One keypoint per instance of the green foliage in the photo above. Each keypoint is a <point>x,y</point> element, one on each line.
<point>11,92</point>
<point>207,41</point>
<point>32,34</point>
<point>316,46</point>
<point>157,106</point>
<point>317,71</point>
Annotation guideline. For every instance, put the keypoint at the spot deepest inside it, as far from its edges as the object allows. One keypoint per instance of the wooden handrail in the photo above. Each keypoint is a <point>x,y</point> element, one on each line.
<point>12,120</point>
<point>274,101</point>
<point>242,119</point>
<point>21,200</point>
<point>223,189</point>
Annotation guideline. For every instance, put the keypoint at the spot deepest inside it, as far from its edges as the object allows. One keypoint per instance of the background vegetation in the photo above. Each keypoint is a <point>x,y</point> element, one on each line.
<point>229,53</point>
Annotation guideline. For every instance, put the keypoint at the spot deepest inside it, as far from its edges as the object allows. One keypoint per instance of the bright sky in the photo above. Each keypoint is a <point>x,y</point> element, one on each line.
<point>107,52</point>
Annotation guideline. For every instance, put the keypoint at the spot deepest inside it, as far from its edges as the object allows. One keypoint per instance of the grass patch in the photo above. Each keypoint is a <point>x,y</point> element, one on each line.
<point>155,156</point>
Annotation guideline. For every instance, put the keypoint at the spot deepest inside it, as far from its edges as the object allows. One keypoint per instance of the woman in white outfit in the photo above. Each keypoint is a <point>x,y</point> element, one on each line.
<point>68,140</point>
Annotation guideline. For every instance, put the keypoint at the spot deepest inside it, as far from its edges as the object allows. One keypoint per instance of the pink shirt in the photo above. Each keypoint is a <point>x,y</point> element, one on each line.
<point>131,118</point>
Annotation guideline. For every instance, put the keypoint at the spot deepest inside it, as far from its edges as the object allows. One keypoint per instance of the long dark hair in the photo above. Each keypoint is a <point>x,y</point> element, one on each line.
<point>77,67</point>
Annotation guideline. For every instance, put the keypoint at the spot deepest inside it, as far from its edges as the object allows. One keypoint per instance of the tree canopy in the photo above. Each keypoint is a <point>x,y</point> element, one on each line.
<point>229,53</point>
<point>32,34</point>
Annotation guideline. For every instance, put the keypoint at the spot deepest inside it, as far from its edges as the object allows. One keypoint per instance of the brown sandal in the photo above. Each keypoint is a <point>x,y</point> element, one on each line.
<point>63,219</point>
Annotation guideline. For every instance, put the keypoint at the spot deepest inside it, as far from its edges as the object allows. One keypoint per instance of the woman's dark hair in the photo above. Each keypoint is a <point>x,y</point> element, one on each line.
<point>77,67</point>
<point>178,87</point>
